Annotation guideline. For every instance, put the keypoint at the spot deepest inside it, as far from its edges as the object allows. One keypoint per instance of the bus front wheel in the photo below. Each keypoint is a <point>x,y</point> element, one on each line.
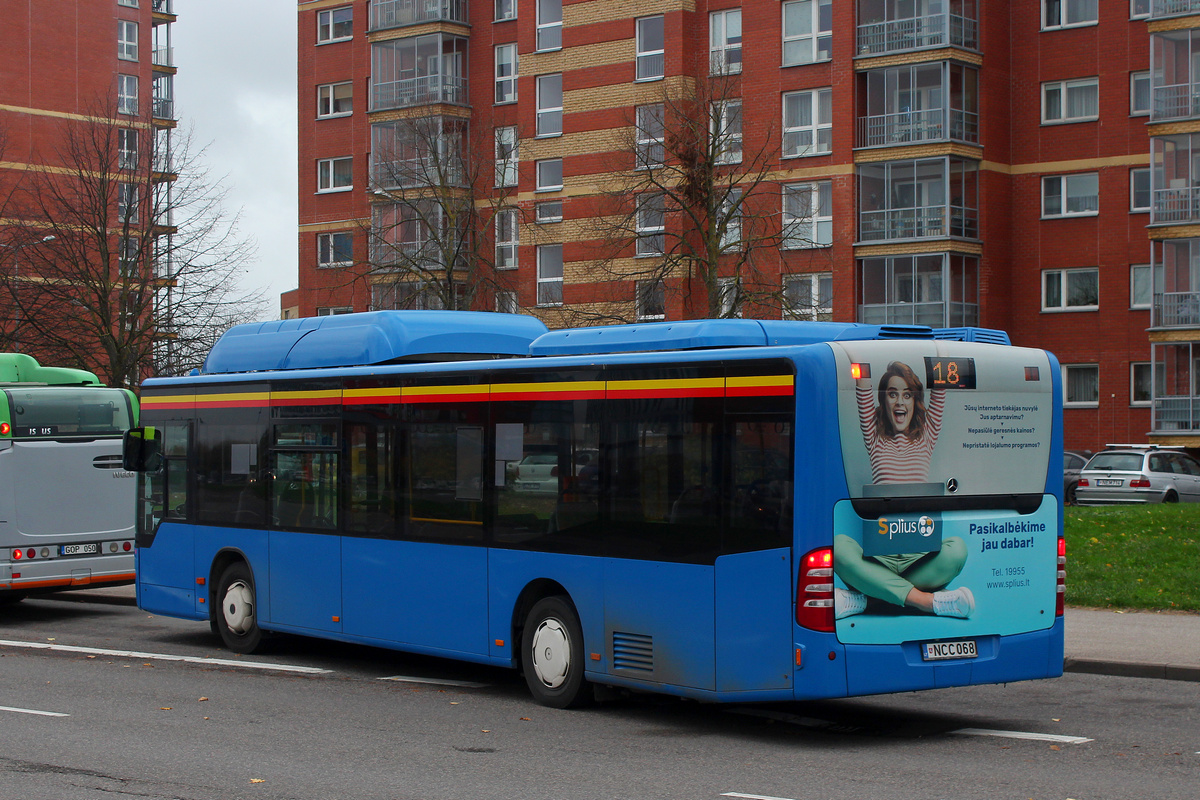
<point>552,654</point>
<point>235,618</point>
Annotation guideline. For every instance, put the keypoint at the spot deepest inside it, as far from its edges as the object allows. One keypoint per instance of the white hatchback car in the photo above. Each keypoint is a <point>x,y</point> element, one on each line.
<point>1139,474</point>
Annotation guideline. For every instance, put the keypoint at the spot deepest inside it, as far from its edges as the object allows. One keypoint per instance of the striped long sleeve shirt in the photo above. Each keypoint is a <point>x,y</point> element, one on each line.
<point>899,459</point>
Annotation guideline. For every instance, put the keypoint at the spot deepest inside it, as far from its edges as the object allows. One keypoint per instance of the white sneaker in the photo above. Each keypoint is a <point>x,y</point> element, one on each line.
<point>847,602</point>
<point>958,603</point>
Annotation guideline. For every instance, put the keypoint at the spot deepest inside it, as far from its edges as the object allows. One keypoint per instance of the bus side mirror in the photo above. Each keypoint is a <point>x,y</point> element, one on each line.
<point>141,450</point>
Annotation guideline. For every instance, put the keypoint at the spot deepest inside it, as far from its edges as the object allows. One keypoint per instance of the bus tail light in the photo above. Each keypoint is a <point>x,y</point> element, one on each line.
<point>814,591</point>
<point>1062,576</point>
<point>17,555</point>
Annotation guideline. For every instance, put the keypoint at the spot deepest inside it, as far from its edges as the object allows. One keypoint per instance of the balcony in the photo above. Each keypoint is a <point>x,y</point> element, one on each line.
<point>419,91</point>
<point>1176,310</point>
<point>163,6</point>
<point>387,14</point>
<point>894,35</point>
<point>1176,101</point>
<point>1173,8</point>
<point>910,127</point>
<point>1174,414</point>
<point>919,199</point>
<point>1172,206</point>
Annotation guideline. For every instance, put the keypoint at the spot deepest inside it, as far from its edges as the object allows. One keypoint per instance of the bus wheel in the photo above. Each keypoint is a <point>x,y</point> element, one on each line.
<point>552,654</point>
<point>234,618</point>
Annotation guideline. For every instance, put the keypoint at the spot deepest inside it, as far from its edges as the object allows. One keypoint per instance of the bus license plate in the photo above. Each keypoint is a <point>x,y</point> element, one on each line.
<point>79,549</point>
<point>940,651</point>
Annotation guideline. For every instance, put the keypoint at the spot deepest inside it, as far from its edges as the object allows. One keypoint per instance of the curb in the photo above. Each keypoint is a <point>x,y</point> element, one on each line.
<point>1130,669</point>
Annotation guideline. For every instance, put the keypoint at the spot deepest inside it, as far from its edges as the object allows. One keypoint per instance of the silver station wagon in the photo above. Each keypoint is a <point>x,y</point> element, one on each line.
<point>1139,474</point>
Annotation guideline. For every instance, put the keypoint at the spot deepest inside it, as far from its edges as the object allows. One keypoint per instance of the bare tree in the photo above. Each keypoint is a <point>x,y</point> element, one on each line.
<point>437,234</point>
<point>696,202</point>
<point>122,256</point>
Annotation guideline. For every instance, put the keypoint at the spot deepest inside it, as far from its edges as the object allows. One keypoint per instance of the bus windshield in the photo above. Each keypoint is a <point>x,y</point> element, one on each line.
<point>56,411</point>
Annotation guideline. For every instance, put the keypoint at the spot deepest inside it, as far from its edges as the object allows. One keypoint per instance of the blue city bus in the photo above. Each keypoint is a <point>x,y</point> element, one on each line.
<point>726,510</point>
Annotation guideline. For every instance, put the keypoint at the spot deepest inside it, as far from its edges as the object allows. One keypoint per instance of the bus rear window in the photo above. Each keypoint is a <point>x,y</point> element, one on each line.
<point>54,412</point>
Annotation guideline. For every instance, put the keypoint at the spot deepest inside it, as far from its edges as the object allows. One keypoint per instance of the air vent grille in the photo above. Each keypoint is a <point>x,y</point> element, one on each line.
<point>633,651</point>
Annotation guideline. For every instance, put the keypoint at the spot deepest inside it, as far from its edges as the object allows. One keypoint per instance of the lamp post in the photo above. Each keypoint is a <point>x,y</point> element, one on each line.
<point>16,276</point>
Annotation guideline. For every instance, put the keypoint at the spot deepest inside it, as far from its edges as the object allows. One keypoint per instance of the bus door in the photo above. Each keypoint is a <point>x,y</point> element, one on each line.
<point>304,546</point>
<point>753,578</point>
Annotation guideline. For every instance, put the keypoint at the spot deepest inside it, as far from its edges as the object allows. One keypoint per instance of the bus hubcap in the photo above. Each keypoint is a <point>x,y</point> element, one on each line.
<point>551,653</point>
<point>238,607</point>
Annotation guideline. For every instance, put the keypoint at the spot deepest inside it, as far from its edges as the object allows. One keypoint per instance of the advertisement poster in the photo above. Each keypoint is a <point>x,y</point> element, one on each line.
<point>920,427</point>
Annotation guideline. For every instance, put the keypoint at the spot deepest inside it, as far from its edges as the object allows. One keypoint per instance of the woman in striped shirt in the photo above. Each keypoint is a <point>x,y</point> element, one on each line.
<point>900,435</point>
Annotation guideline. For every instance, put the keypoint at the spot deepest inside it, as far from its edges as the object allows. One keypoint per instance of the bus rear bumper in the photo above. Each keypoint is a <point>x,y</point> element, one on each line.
<point>879,669</point>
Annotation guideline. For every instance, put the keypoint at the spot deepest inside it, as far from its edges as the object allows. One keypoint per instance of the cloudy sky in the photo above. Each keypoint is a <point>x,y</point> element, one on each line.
<point>236,90</point>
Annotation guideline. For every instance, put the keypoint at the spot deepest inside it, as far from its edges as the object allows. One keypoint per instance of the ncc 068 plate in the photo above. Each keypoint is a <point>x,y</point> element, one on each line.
<point>942,651</point>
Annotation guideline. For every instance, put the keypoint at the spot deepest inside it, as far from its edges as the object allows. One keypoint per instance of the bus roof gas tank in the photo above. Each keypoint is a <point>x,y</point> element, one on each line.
<point>369,338</point>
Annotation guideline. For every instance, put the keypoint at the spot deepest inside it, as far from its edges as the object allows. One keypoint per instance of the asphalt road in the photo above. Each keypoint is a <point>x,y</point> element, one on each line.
<point>108,723</point>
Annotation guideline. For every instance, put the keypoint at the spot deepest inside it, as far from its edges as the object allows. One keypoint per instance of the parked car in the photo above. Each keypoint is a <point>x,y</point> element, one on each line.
<point>1139,474</point>
<point>538,473</point>
<point>1073,461</point>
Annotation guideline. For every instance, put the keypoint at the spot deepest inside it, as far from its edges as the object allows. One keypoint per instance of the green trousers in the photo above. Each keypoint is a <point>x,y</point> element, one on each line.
<point>891,578</point>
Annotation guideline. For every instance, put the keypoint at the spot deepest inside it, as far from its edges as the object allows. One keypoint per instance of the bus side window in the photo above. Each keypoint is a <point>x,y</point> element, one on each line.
<point>760,510</point>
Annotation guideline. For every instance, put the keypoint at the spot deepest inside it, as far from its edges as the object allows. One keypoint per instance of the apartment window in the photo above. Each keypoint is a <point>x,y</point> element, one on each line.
<point>807,215</point>
<point>1145,382</point>
<point>549,175</point>
<point>335,25</point>
<point>335,249</point>
<point>1139,9</point>
<point>548,211</point>
<point>650,300</point>
<point>651,52</point>
<point>729,221</point>
<point>1071,101</point>
<point>506,238</point>
<point>729,297</point>
<point>1139,94</point>
<point>651,130</point>
<point>1071,195</point>
<point>335,174</point>
<point>1139,190</point>
<point>335,100</point>
<point>650,224</point>
<point>549,24</point>
<point>506,156</point>
<point>127,203</point>
<point>506,10</point>
<point>808,297</point>
<point>1071,289</point>
<point>1081,384</point>
<point>807,123</point>
<point>506,303</point>
<point>130,253</point>
<point>725,42</point>
<point>127,94</point>
<point>333,311</point>
<point>128,3</point>
<point>549,105</point>
<point>127,40</point>
<point>550,275</point>
<point>1065,13</point>
<point>127,148</point>
<point>727,131</point>
<point>1140,287</point>
<point>506,73</point>
<point>807,31</point>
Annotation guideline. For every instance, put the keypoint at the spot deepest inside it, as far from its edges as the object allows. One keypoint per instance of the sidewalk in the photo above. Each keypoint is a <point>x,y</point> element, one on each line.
<point>1140,644</point>
<point>1136,644</point>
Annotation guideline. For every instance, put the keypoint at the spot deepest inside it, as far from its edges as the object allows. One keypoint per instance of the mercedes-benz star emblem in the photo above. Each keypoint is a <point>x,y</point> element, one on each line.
<point>952,485</point>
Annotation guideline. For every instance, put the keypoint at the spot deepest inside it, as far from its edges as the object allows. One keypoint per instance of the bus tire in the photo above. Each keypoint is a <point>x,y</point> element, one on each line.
<point>235,617</point>
<point>552,654</point>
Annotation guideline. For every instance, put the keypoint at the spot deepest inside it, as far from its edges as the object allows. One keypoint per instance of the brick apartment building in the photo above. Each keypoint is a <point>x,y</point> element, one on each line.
<point>1024,165</point>
<point>69,70</point>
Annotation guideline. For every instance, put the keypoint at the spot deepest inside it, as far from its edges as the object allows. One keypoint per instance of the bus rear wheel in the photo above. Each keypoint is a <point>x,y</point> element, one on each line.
<point>552,654</point>
<point>235,617</point>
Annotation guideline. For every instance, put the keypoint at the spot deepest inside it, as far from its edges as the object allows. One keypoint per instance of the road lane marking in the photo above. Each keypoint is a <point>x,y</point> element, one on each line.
<point>1039,737</point>
<point>33,711</point>
<point>219,662</point>
<point>435,681</point>
<point>753,796</point>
